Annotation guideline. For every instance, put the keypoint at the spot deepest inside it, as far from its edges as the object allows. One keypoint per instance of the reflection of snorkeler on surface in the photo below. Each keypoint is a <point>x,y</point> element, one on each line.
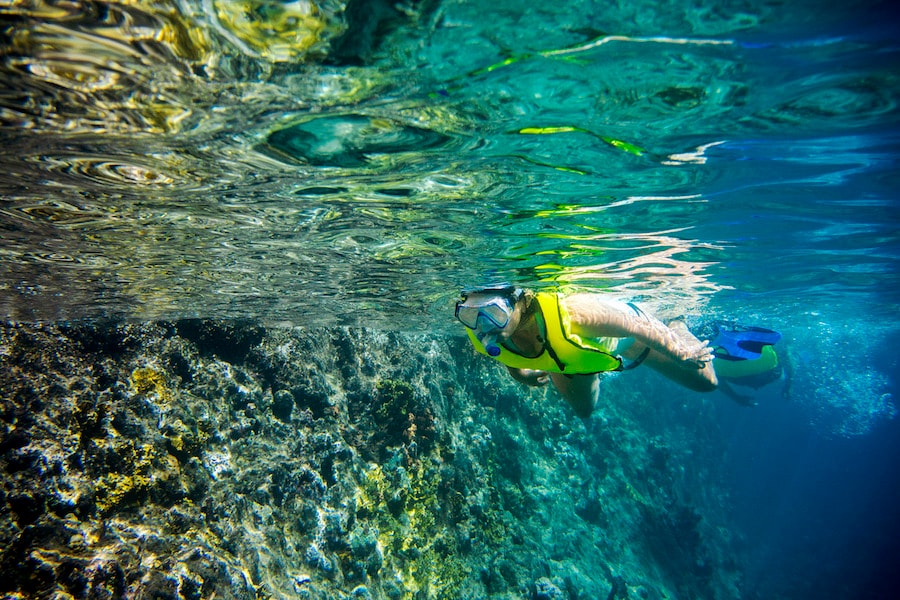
<point>568,340</point>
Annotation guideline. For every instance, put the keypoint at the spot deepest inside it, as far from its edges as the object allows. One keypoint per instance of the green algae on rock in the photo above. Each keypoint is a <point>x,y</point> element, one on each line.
<point>138,461</point>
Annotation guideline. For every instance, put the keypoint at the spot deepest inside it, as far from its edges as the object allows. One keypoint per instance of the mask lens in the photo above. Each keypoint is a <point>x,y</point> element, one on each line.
<point>468,315</point>
<point>495,312</point>
<point>497,315</point>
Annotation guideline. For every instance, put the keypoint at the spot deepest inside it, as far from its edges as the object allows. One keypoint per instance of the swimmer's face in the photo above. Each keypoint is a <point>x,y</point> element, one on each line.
<point>490,313</point>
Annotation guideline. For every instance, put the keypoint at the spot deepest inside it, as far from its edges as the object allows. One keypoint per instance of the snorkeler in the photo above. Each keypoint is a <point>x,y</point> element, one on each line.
<point>545,337</point>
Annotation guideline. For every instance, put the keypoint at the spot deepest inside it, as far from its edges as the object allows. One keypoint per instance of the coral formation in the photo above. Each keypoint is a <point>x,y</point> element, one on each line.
<point>146,379</point>
<point>224,460</point>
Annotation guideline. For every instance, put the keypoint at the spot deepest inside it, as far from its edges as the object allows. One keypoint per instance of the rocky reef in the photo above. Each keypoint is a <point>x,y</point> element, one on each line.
<point>223,459</point>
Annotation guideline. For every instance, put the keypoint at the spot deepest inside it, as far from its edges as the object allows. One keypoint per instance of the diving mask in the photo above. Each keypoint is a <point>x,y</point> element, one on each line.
<point>488,313</point>
<point>492,313</point>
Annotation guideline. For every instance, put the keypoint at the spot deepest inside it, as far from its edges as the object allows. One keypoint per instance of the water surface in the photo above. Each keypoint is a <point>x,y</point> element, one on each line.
<point>176,159</point>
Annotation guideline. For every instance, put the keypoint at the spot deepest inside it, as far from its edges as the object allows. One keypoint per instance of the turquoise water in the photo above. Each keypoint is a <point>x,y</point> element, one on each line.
<point>710,161</point>
<point>727,160</point>
<point>154,173</point>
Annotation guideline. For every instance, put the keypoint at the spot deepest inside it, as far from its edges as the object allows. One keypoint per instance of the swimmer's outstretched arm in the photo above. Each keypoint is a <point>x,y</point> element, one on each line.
<point>594,316</point>
<point>530,376</point>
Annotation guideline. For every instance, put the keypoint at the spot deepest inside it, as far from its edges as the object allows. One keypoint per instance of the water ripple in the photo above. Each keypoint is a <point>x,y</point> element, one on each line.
<point>196,158</point>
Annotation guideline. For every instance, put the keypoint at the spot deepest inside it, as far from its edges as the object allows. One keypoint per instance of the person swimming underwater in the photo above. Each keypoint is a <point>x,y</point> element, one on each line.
<point>545,337</point>
<point>568,340</point>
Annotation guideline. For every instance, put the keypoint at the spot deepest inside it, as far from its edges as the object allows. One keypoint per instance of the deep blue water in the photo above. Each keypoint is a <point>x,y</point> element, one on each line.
<point>820,515</point>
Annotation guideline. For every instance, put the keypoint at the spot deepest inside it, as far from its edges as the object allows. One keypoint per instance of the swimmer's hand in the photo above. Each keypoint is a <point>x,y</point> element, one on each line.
<point>530,376</point>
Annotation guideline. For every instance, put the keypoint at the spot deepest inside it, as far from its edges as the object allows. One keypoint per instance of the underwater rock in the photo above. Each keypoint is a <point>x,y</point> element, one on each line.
<point>282,405</point>
<point>589,507</point>
<point>544,589</point>
<point>619,589</point>
<point>226,460</point>
<point>229,340</point>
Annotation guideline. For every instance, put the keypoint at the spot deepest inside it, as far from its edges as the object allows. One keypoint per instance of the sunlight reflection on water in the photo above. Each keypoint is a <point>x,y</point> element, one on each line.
<point>174,161</point>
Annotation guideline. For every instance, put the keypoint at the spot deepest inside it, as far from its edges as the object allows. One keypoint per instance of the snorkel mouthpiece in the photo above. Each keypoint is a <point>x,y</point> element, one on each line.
<point>489,341</point>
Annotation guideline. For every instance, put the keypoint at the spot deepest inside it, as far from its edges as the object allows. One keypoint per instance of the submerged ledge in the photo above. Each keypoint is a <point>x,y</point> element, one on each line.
<point>222,459</point>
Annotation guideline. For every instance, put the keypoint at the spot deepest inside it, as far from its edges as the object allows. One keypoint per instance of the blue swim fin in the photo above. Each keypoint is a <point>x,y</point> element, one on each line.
<point>743,343</point>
